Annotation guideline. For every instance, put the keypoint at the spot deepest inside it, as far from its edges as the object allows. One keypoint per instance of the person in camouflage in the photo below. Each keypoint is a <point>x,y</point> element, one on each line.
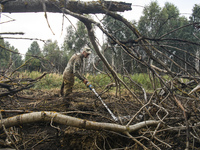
<point>74,68</point>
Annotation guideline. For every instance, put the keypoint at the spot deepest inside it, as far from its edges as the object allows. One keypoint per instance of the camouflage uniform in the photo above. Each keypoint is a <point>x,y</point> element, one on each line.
<point>74,68</point>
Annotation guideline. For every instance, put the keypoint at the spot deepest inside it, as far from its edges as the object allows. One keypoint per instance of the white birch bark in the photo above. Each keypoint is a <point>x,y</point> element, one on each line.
<point>197,60</point>
<point>47,116</point>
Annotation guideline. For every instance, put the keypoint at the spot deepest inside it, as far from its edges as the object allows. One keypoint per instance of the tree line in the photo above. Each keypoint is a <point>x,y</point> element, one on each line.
<point>177,35</point>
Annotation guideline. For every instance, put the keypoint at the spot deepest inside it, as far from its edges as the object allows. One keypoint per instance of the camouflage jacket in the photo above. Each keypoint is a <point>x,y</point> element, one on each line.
<point>75,66</point>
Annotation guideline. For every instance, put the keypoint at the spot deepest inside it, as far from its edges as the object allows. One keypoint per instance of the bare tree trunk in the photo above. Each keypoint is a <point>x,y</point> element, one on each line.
<point>185,61</point>
<point>113,59</point>
<point>132,66</point>
<point>54,6</point>
<point>46,116</point>
<point>197,60</point>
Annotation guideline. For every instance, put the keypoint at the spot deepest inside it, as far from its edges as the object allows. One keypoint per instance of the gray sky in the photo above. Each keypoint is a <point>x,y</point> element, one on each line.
<point>34,25</point>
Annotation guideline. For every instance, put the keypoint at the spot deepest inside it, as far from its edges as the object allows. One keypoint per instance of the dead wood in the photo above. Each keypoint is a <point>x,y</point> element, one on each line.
<point>74,122</point>
<point>16,85</point>
<point>90,7</point>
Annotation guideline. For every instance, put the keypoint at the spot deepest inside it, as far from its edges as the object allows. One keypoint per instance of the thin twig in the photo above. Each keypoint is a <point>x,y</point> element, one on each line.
<point>138,142</point>
<point>6,132</point>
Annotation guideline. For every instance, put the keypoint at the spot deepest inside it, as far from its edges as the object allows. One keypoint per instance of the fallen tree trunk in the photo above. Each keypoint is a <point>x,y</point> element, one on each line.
<point>90,7</point>
<point>48,116</point>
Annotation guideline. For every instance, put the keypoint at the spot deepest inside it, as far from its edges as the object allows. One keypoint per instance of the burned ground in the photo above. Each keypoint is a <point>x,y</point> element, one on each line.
<point>42,135</point>
<point>85,105</point>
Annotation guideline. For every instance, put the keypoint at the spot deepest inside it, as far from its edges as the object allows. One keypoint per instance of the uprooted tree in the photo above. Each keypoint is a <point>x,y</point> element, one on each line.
<point>173,106</point>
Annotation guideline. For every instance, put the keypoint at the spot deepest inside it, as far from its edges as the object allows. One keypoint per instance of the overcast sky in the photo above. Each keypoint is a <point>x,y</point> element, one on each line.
<point>34,25</point>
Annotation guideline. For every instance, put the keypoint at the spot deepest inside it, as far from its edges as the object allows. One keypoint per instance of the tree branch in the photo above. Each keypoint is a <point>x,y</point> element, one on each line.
<point>17,89</point>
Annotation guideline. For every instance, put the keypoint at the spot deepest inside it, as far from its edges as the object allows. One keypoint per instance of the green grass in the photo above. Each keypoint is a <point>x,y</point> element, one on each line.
<point>54,81</point>
<point>143,80</point>
<point>97,81</point>
<point>50,81</point>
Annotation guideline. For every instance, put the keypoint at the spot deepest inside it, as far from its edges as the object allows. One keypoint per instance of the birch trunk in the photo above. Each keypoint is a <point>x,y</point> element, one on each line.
<point>197,60</point>
<point>48,116</point>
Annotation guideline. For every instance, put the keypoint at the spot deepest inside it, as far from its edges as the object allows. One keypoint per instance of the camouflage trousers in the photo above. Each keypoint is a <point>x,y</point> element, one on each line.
<point>68,80</point>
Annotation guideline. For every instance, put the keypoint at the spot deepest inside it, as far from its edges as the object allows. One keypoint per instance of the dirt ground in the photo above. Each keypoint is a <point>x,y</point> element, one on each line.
<point>84,105</point>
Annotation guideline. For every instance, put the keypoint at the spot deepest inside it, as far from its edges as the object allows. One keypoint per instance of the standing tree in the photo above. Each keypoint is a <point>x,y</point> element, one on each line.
<point>75,39</point>
<point>5,55</point>
<point>195,18</point>
<point>52,53</point>
<point>33,53</point>
<point>15,58</point>
<point>149,23</point>
<point>165,24</point>
<point>114,54</point>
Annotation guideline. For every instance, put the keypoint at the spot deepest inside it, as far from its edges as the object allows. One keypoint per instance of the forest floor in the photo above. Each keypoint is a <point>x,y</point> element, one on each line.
<point>45,135</point>
<point>84,105</point>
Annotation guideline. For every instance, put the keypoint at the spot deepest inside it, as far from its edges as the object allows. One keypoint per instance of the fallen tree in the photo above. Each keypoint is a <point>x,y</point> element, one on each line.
<point>72,121</point>
<point>90,7</point>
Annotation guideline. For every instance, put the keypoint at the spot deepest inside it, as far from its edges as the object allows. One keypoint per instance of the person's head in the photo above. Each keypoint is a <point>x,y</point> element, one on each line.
<point>86,52</point>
